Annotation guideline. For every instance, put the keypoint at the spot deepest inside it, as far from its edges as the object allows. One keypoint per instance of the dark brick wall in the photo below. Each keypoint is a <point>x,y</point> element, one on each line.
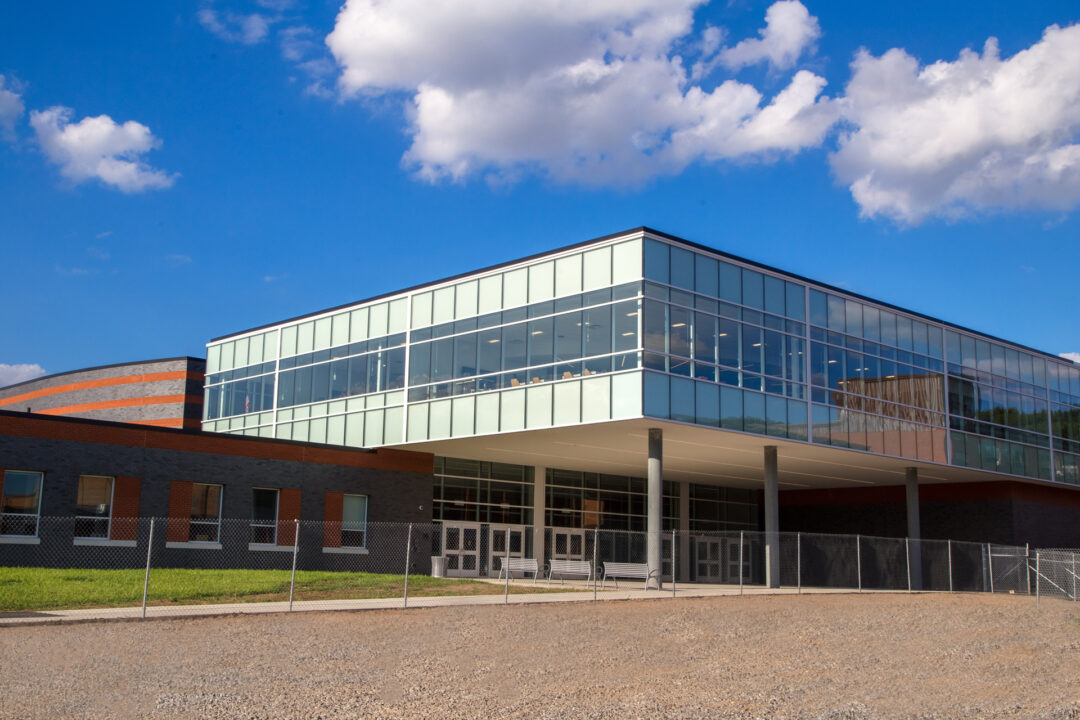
<point>393,496</point>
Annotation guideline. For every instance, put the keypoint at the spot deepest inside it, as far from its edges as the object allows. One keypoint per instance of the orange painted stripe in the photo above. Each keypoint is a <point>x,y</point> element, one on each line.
<point>163,422</point>
<point>127,402</point>
<point>104,382</point>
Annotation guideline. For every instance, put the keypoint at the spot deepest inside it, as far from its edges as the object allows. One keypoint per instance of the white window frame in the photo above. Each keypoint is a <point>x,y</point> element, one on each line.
<point>262,523</point>
<point>108,518</point>
<point>17,538</point>
<point>216,523</point>
<point>367,501</point>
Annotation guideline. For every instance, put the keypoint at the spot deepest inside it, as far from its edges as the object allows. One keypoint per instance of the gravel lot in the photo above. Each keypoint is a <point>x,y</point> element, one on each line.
<point>809,656</point>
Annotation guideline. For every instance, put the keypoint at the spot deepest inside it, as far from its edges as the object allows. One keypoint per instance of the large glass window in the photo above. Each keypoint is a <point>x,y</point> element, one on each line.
<point>205,523</point>
<point>20,504</point>
<point>93,505</point>
<point>264,510</point>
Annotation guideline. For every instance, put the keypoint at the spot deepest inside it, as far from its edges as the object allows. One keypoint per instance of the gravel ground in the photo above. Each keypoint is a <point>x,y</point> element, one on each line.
<point>809,656</point>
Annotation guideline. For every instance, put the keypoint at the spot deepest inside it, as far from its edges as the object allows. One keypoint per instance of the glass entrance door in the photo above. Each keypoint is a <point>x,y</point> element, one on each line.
<point>717,559</point>
<point>461,548</point>
<point>567,544</point>
<point>500,535</point>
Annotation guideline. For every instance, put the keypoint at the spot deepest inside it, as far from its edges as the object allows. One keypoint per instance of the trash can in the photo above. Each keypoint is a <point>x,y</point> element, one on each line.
<point>438,567</point>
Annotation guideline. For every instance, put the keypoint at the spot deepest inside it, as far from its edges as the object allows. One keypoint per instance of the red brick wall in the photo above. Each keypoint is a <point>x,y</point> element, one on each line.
<point>333,508</point>
<point>288,514</point>
<point>125,508</point>
<point>179,511</point>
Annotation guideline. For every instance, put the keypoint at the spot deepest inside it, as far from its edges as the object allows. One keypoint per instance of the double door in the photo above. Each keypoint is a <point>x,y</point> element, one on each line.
<point>478,550</point>
<point>717,559</point>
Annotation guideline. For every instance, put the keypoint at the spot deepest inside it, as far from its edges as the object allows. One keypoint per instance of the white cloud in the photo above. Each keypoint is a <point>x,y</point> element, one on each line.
<point>12,374</point>
<point>586,92</point>
<point>98,147</point>
<point>11,108</point>
<point>247,29</point>
<point>1075,357</point>
<point>976,134</point>
<point>789,30</point>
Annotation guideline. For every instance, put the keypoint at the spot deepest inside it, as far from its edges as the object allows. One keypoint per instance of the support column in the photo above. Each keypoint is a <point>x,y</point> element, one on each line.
<point>772,519</point>
<point>655,505</point>
<point>684,532</point>
<point>913,530</point>
<point>539,512</point>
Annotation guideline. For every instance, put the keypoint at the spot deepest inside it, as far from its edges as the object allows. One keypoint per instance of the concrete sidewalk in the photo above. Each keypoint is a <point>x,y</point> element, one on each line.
<point>581,593</point>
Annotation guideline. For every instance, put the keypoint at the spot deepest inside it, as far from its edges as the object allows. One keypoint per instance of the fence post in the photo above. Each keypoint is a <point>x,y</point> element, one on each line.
<point>295,549</point>
<point>1027,566</point>
<point>1074,576</point>
<point>798,562</point>
<point>950,566</point>
<point>408,547</point>
<point>740,561</point>
<point>506,568</point>
<point>673,562</point>
<point>146,578</point>
<point>990,566</point>
<point>595,543</point>
<point>1038,578</point>
<point>858,559</point>
<point>907,552</point>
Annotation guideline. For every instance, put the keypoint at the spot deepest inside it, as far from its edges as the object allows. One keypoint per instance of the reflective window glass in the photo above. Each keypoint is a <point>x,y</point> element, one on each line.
<point>730,282</point>
<point>753,289</point>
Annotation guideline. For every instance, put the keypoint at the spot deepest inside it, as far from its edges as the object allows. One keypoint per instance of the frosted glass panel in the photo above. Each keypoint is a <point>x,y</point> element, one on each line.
<point>378,320</point>
<point>300,430</point>
<point>358,325</point>
<point>596,399</point>
<point>240,352</point>
<point>354,430</point>
<point>418,417</point>
<point>538,406</point>
<point>392,426</point>
<point>270,346</point>
<point>462,416</point>
<point>255,349</point>
<point>515,287</point>
<point>626,395</point>
<point>305,337</point>
<point>567,403</point>
<point>397,316</point>
<point>439,420</point>
<point>512,411</point>
<point>465,304</point>
<point>322,333</point>
<point>490,294</point>
<point>283,432</point>
<point>335,430</point>
<point>442,305</point>
<point>213,359</point>
<point>421,310</point>
<point>317,431</point>
<point>288,341</point>
<point>626,262</point>
<point>597,268</point>
<point>487,413</point>
<point>568,275</point>
<point>373,428</point>
<point>541,281</point>
<point>227,356</point>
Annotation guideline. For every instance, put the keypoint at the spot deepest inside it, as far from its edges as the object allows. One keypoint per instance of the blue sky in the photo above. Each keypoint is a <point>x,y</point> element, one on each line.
<point>171,172</point>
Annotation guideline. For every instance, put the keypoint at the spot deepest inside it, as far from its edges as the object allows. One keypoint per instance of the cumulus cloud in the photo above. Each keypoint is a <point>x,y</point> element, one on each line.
<point>98,147</point>
<point>789,30</point>
<point>12,374</point>
<point>11,108</point>
<point>1075,357</point>
<point>976,134</point>
<point>585,92</point>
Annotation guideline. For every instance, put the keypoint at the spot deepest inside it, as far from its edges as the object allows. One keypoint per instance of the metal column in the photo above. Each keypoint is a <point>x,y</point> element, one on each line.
<point>913,531</point>
<point>772,519</point>
<point>655,505</point>
<point>539,513</point>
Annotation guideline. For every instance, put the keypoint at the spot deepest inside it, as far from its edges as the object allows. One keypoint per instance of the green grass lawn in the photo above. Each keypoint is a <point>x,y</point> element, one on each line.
<point>24,589</point>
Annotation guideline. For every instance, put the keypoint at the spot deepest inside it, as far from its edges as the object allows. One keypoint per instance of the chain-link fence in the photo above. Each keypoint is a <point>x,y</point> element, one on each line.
<point>70,563</point>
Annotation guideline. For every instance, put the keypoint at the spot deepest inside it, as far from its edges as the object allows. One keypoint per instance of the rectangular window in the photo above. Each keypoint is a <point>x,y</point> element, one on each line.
<point>264,512</point>
<point>205,525</point>
<point>354,521</point>
<point>20,504</point>
<point>93,506</point>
